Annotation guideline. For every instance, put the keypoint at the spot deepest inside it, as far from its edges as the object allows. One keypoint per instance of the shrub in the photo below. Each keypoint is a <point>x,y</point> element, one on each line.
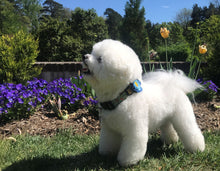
<point>17,57</point>
<point>178,52</point>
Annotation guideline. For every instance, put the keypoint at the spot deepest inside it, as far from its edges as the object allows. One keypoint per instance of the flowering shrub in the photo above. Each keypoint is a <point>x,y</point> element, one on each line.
<point>18,101</point>
<point>209,92</point>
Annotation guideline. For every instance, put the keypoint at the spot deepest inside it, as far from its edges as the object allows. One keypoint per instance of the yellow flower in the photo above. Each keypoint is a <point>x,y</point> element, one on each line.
<point>202,49</point>
<point>164,32</point>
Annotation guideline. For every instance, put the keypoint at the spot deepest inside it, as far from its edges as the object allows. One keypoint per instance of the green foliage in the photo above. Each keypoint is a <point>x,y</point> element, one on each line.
<point>153,31</point>
<point>69,40</point>
<point>16,15</point>
<point>211,35</point>
<point>70,48</point>
<point>114,22</point>
<point>9,20</point>
<point>178,52</point>
<point>201,14</point>
<point>183,17</point>
<point>52,9</point>
<point>50,33</point>
<point>17,57</point>
<point>31,10</point>
<point>88,27</point>
<point>212,71</point>
<point>133,28</point>
<point>176,33</point>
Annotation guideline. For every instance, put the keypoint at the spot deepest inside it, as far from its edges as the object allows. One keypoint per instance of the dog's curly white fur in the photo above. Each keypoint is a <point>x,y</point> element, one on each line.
<point>162,104</point>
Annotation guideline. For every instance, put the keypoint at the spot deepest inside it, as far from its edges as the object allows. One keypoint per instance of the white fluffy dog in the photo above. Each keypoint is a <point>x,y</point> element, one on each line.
<point>134,105</point>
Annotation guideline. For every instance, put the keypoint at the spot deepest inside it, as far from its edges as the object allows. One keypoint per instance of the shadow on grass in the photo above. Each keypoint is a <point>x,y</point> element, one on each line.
<point>156,149</point>
<point>86,161</point>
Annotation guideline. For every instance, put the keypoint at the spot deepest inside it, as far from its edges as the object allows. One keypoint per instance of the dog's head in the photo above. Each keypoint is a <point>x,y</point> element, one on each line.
<point>111,66</point>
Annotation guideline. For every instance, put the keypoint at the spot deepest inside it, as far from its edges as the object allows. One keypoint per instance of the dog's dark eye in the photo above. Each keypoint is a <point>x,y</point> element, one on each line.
<point>99,59</point>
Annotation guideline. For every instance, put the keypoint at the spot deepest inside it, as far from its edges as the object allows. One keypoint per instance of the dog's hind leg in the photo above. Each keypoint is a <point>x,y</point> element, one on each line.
<point>184,122</point>
<point>168,133</point>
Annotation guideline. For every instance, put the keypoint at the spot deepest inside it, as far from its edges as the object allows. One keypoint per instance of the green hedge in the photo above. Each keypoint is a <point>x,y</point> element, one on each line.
<point>178,52</point>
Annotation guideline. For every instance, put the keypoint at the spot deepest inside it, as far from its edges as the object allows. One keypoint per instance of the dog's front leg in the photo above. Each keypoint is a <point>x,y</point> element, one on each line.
<point>109,141</point>
<point>133,149</point>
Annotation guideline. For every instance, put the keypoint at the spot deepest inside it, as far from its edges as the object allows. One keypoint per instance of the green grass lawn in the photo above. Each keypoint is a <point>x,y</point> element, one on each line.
<point>67,152</point>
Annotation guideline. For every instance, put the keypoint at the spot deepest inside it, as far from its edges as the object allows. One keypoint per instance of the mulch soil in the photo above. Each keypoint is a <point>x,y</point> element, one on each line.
<point>44,121</point>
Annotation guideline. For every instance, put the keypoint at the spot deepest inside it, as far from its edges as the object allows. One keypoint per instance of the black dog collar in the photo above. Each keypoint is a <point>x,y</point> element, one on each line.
<point>134,87</point>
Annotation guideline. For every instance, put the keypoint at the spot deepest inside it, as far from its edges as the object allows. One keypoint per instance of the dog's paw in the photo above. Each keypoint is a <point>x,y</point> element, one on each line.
<point>128,163</point>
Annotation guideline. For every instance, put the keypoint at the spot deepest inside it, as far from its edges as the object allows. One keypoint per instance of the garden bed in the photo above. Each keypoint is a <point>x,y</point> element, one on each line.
<point>44,121</point>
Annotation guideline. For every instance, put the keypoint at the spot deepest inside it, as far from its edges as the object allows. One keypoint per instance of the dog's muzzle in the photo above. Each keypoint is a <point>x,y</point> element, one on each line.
<point>85,68</point>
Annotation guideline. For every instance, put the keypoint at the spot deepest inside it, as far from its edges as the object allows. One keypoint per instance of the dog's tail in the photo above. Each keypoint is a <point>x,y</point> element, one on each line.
<point>169,79</point>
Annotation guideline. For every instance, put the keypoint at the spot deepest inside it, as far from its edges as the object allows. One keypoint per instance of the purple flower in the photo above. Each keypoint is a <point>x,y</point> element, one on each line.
<point>9,105</point>
<point>2,88</point>
<point>1,110</point>
<point>19,86</point>
<point>9,95</point>
<point>21,101</point>
<point>10,85</point>
<point>72,101</point>
<point>39,99</point>
<point>82,95</point>
<point>31,103</point>
<point>27,94</point>
<point>86,103</point>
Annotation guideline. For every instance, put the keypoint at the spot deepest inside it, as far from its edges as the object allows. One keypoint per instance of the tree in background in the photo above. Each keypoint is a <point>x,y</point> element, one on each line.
<point>16,15</point>
<point>31,9</point>
<point>201,14</point>
<point>114,22</point>
<point>153,32</point>
<point>10,22</point>
<point>176,32</point>
<point>86,26</point>
<point>69,40</point>
<point>50,33</point>
<point>52,8</point>
<point>133,32</point>
<point>183,17</point>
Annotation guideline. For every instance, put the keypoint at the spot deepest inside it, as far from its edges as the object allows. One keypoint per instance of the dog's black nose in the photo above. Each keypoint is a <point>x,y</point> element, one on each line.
<point>85,57</point>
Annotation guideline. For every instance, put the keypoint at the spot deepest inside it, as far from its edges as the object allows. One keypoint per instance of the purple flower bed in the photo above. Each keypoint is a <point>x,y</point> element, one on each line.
<point>209,85</point>
<point>209,92</point>
<point>17,100</point>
